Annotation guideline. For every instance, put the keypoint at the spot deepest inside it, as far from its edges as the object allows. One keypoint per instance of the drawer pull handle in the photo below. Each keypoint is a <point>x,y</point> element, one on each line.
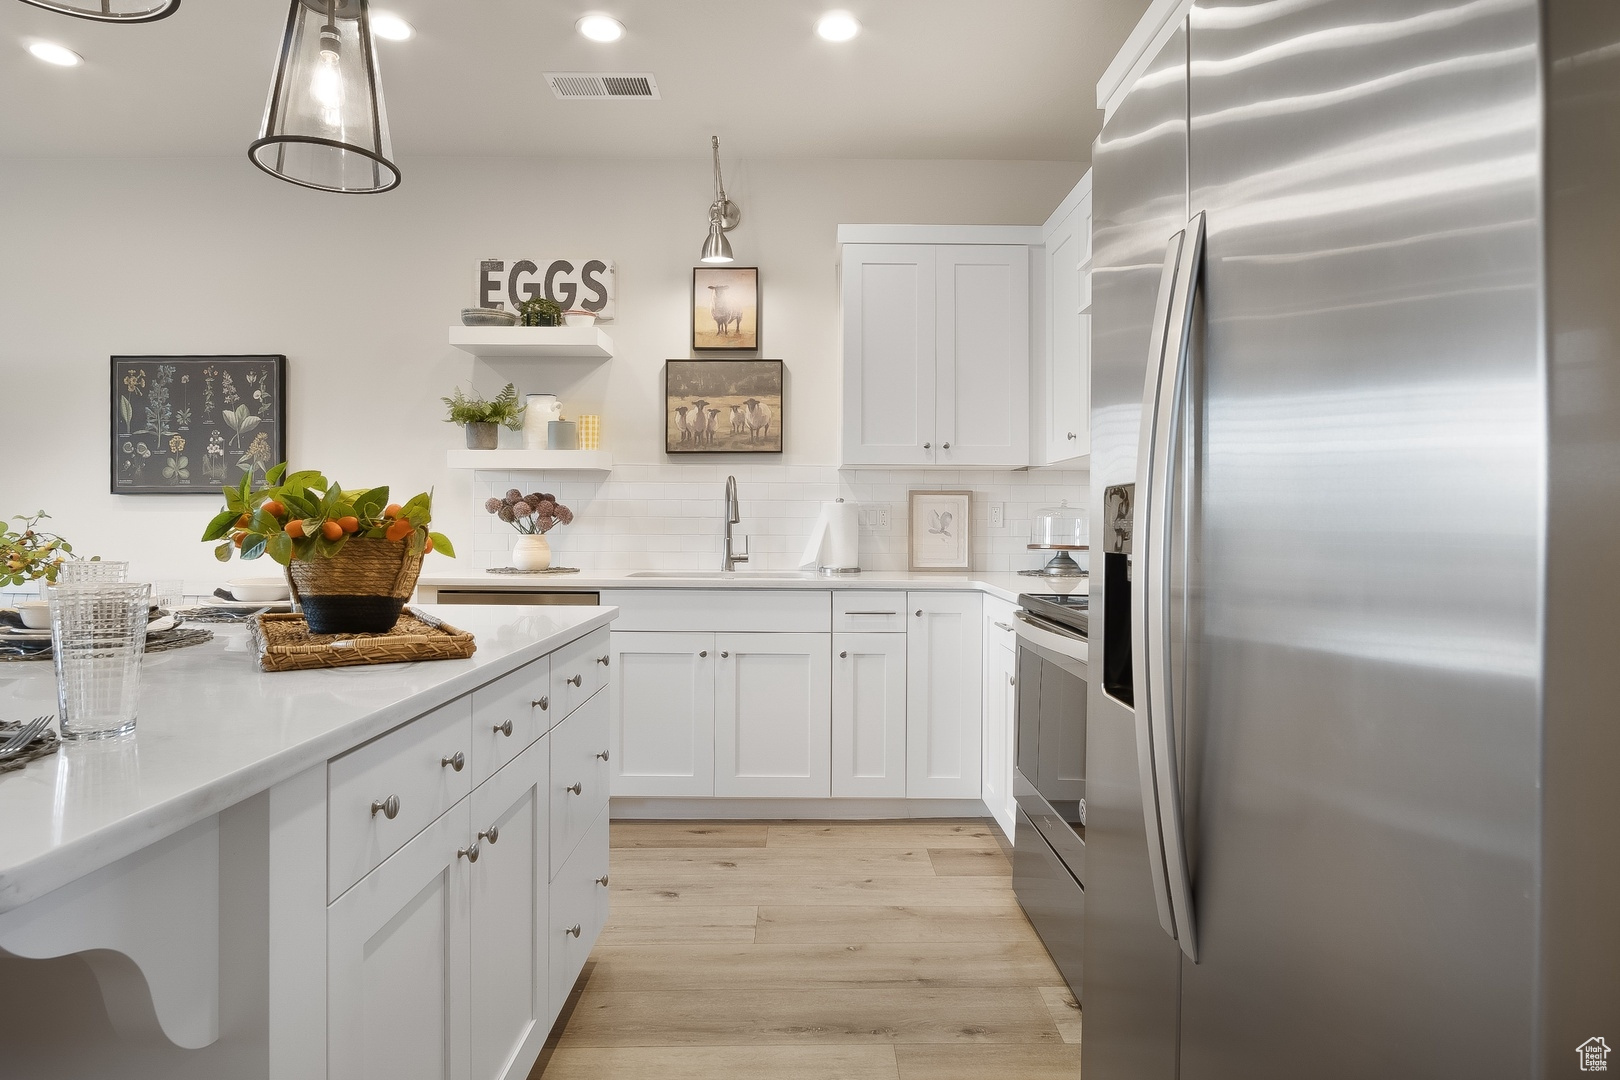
<point>456,761</point>
<point>603,755</point>
<point>492,834</point>
<point>843,656</point>
<point>575,930</point>
<point>575,680</point>
<point>469,853</point>
<point>388,808</point>
<point>602,881</point>
<point>603,660</point>
<point>871,613</point>
<point>505,728</point>
<point>1005,627</point>
<point>575,788</point>
<point>540,703</point>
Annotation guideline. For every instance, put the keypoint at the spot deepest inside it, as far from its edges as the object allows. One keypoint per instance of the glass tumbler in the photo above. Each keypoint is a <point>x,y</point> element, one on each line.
<point>74,571</point>
<point>98,636</point>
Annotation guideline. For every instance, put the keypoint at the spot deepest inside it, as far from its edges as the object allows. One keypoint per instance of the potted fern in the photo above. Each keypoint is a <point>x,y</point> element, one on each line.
<point>483,418</point>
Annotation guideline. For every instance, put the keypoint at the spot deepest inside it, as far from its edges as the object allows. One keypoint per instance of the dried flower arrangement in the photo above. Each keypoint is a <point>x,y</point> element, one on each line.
<point>533,515</point>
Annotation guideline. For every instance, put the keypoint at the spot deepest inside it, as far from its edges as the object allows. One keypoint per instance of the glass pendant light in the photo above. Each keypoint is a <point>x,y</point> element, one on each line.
<point>325,125</point>
<point>723,216</point>
<point>128,11</point>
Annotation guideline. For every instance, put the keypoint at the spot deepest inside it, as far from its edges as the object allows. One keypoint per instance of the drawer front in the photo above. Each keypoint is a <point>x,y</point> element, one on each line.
<point>578,670</point>
<point>579,759</point>
<point>737,611</point>
<point>1000,624</point>
<point>412,771</point>
<point>508,715</point>
<point>579,898</point>
<point>868,612</point>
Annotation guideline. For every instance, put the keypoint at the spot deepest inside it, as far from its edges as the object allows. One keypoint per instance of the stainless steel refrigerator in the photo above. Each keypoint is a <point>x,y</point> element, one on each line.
<point>1353,750</point>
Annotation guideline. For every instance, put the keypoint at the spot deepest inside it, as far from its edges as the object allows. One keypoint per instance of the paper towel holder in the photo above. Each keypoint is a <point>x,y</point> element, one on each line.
<point>838,571</point>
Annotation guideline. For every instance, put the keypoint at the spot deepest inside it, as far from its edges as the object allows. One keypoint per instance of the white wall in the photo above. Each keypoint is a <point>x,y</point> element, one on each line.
<point>206,255</point>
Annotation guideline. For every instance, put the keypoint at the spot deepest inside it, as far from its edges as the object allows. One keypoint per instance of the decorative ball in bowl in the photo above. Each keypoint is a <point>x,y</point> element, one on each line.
<point>578,318</point>
<point>482,316</point>
<point>258,590</point>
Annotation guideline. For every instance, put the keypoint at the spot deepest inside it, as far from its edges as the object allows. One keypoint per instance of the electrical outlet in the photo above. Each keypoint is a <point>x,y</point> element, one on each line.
<point>881,512</point>
<point>998,517</point>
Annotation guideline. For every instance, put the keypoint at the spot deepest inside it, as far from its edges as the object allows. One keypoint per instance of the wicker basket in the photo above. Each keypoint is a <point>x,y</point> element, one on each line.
<point>284,643</point>
<point>360,590</point>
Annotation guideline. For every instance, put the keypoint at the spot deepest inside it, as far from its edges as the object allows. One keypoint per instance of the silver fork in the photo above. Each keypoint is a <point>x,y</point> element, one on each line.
<point>18,740</point>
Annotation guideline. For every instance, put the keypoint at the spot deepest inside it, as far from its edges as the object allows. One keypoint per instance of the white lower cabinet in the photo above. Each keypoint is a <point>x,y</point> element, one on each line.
<point>397,963</point>
<point>1000,694</point>
<point>579,910</point>
<point>944,673</point>
<point>772,703</point>
<point>869,715</point>
<point>662,699</point>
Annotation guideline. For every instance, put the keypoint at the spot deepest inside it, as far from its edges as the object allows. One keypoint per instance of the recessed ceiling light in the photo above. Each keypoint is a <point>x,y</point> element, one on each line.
<point>391,27</point>
<point>600,27</point>
<point>52,53</point>
<point>838,26</point>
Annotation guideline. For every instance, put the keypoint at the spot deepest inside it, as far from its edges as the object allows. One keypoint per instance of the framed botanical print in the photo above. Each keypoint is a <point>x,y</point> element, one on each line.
<point>192,424</point>
<point>941,530</point>
<point>725,307</point>
<point>723,406</point>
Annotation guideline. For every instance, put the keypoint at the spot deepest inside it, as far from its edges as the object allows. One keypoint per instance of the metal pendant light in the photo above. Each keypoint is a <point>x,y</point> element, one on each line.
<point>325,125</point>
<point>723,216</point>
<point>116,11</point>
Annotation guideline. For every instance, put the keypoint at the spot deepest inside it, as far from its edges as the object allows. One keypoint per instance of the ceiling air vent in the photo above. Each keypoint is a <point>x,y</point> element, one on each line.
<point>586,84</point>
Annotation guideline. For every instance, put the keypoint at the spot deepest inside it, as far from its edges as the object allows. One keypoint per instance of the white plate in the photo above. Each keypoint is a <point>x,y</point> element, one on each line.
<point>19,634</point>
<point>247,605</point>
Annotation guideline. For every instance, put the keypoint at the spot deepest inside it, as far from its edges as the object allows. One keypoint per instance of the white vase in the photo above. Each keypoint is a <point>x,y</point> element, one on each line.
<point>531,552</point>
<point>539,411</point>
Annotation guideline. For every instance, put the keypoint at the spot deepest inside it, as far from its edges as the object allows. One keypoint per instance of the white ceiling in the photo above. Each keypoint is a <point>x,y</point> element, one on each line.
<point>980,79</point>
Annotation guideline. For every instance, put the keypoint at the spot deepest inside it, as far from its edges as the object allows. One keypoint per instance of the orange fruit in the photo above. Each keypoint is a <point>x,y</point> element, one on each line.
<point>393,510</point>
<point>331,530</point>
<point>295,528</point>
<point>273,508</point>
<point>427,547</point>
<point>238,537</point>
<point>349,524</point>
<point>242,522</point>
<point>399,530</point>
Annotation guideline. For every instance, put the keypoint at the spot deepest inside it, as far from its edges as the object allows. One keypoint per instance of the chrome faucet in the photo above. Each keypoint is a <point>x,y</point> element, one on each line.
<point>733,517</point>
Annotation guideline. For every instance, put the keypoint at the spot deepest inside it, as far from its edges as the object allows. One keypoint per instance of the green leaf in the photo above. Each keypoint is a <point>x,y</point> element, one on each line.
<point>273,477</point>
<point>223,552</point>
<point>280,548</point>
<point>442,545</point>
<point>253,546</point>
<point>298,504</point>
<point>419,511</point>
<point>221,524</point>
<point>370,503</point>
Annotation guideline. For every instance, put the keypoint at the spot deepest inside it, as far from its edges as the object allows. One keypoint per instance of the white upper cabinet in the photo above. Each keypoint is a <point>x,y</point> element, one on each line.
<point>1064,399</point>
<point>936,354</point>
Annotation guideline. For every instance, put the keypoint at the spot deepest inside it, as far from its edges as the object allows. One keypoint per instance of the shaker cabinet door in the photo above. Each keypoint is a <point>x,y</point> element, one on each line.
<point>773,716</point>
<point>1068,337</point>
<point>869,715</point>
<point>397,963</point>
<point>944,671</point>
<point>982,395</point>
<point>661,688</point>
<point>890,293</point>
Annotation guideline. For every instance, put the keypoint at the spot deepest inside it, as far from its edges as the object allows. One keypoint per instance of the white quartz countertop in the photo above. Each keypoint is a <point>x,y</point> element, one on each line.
<point>213,730</point>
<point>1004,585</point>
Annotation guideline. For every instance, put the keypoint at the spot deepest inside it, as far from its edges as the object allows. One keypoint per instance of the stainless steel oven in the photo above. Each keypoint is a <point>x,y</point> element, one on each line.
<point>1049,779</point>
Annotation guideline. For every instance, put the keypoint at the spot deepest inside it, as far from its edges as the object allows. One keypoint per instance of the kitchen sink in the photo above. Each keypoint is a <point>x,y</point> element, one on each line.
<point>725,575</point>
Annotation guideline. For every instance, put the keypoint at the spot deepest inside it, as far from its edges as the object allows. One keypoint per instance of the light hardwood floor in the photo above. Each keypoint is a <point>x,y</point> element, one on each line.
<point>811,951</point>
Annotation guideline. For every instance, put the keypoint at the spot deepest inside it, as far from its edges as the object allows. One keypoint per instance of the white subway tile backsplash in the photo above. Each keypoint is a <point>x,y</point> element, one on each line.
<point>669,517</point>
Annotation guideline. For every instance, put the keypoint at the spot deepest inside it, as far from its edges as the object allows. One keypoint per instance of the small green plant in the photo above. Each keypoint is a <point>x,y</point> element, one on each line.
<point>27,553</point>
<point>505,409</point>
<point>539,311</point>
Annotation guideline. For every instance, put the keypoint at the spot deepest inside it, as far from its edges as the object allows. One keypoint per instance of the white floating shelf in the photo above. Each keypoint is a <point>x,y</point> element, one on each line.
<point>594,461</point>
<point>534,342</point>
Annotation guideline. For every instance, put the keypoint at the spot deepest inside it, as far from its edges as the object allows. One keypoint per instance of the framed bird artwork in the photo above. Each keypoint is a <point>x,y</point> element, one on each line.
<point>941,530</point>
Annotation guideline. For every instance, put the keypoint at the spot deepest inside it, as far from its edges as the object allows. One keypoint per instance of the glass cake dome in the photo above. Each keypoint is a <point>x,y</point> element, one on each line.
<point>1061,528</point>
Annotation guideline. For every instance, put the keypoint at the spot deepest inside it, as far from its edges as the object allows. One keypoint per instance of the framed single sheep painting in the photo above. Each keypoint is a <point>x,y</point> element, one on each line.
<point>723,406</point>
<point>195,423</point>
<point>725,307</point>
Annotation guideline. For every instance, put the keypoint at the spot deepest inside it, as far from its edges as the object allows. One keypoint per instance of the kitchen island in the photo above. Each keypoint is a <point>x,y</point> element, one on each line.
<point>255,867</point>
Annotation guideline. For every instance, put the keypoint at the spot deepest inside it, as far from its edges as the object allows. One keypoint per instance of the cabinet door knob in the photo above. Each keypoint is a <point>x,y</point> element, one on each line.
<point>468,853</point>
<point>575,680</point>
<point>928,446</point>
<point>574,930</point>
<point>603,660</point>
<point>1073,436</point>
<point>575,788</point>
<point>705,652</point>
<point>505,728</point>
<point>919,613</point>
<point>388,808</point>
<point>602,881</point>
<point>603,755</point>
<point>724,654</point>
<point>1011,681</point>
<point>843,656</point>
<point>946,446</point>
<point>542,704</point>
<point>456,761</point>
<point>492,834</point>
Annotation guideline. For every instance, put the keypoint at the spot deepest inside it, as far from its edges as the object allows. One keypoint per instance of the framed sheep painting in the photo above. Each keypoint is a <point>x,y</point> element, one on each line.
<point>725,308</point>
<point>723,406</point>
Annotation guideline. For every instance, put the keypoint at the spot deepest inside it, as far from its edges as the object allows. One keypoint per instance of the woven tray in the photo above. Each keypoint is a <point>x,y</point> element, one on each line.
<point>284,643</point>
